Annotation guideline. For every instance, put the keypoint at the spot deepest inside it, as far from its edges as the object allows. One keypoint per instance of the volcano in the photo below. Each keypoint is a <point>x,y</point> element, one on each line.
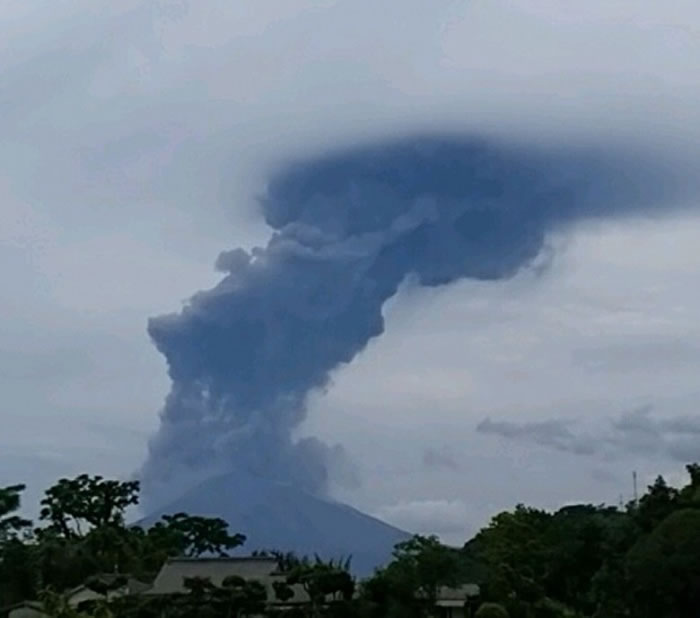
<point>279,516</point>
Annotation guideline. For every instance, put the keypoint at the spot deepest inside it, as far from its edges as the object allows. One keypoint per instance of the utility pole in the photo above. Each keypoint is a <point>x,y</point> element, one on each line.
<point>634,486</point>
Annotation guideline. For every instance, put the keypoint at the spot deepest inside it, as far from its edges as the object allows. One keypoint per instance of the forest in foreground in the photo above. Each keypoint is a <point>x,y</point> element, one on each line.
<point>597,561</point>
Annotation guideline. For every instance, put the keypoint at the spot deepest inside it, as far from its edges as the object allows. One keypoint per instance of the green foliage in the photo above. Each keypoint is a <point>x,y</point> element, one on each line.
<point>18,575</point>
<point>663,568</point>
<point>240,597</point>
<point>283,591</point>
<point>427,564</point>
<point>325,582</point>
<point>73,506</point>
<point>10,523</point>
<point>689,496</point>
<point>410,584</point>
<point>514,548</point>
<point>194,536</point>
<point>657,504</point>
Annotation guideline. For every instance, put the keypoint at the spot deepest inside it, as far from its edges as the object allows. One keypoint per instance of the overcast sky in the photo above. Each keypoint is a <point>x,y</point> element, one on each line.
<point>136,135</point>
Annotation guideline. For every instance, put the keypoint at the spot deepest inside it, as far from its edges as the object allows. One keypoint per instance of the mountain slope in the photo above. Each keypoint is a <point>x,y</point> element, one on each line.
<point>279,516</point>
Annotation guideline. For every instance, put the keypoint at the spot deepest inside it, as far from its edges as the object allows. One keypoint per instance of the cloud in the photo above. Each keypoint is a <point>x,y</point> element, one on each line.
<point>605,476</point>
<point>636,432</point>
<point>441,517</point>
<point>551,433</point>
<point>626,356</point>
<point>439,458</point>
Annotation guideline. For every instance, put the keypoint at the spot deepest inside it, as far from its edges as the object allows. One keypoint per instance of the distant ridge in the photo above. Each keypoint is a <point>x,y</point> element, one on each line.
<point>275,515</point>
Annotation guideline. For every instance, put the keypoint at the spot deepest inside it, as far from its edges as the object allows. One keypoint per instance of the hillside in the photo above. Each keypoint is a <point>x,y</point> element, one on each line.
<point>279,516</point>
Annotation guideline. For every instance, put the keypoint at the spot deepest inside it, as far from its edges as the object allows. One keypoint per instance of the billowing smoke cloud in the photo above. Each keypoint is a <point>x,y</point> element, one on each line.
<point>348,228</point>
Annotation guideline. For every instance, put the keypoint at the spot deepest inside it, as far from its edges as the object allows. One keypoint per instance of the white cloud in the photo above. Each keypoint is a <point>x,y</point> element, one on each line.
<point>441,517</point>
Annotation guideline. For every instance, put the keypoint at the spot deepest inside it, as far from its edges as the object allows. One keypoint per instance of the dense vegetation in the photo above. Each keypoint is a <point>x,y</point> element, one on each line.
<point>642,561</point>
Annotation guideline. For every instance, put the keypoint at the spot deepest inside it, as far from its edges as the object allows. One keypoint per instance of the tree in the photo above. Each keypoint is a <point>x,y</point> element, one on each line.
<point>427,562</point>
<point>323,581</point>
<point>10,523</point>
<point>693,471</point>
<point>609,588</point>
<point>542,564</point>
<point>62,563</point>
<point>118,550</point>
<point>74,506</point>
<point>663,568</point>
<point>194,536</point>
<point>575,546</point>
<point>19,578</point>
<point>17,568</point>
<point>410,584</point>
<point>657,504</point>
<point>86,533</point>
<point>690,494</point>
<point>198,602</point>
<point>86,530</point>
<point>283,591</point>
<point>239,597</point>
<point>513,547</point>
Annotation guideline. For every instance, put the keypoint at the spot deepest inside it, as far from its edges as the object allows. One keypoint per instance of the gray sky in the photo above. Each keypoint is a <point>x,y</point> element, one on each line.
<point>136,135</point>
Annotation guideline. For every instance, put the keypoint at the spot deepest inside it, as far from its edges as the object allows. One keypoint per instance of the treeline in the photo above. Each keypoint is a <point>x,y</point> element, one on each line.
<point>641,561</point>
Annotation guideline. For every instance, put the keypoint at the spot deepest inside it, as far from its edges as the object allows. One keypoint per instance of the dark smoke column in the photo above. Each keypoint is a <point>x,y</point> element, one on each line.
<point>348,228</point>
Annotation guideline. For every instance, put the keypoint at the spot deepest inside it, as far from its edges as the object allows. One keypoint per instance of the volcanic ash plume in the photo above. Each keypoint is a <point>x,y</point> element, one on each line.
<point>348,227</point>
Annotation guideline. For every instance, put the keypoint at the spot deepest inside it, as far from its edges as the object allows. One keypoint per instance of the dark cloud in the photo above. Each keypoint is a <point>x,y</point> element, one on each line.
<point>636,432</point>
